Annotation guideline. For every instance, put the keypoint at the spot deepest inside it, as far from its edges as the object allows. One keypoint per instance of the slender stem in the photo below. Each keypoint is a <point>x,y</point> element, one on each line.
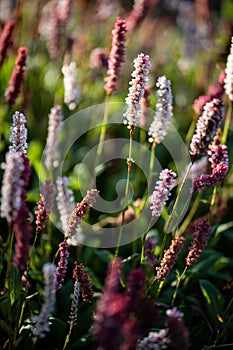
<point>191,131</point>
<point>177,285</point>
<point>67,338</point>
<point>227,123</point>
<point>103,130</point>
<point>212,202</point>
<point>129,162</point>
<point>142,260</point>
<point>161,283</point>
<point>190,215</point>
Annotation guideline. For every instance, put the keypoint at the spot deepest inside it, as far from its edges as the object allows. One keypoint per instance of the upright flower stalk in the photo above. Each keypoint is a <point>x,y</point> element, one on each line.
<point>162,191</point>
<point>116,60</point>
<point>159,127</point>
<point>62,263</point>
<point>228,81</point>
<point>116,57</point>
<point>42,321</point>
<point>169,259</point>
<point>45,205</point>
<point>207,126</point>
<point>133,114</point>
<point>51,148</point>
<point>17,77</point>
<point>71,87</point>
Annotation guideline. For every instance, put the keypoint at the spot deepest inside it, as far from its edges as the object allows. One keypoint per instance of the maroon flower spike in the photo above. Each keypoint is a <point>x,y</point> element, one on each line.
<point>149,248</point>
<point>202,232</point>
<point>41,216</point>
<point>84,280</point>
<point>207,126</point>
<point>177,332</point>
<point>62,264</point>
<point>136,282</point>
<point>44,205</point>
<point>138,13</point>
<point>169,258</point>
<point>219,164</point>
<point>22,229</point>
<point>111,311</point>
<point>17,77</point>
<point>116,56</point>
<point>6,40</point>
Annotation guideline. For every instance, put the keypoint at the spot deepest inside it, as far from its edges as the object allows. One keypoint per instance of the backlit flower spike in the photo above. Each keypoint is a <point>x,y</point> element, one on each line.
<point>200,236</point>
<point>18,136</point>
<point>13,186</point>
<point>169,258</point>
<point>42,321</point>
<point>65,201</point>
<point>84,280</point>
<point>207,126</point>
<point>22,230</point>
<point>51,148</point>
<point>162,119</point>
<point>228,82</point>
<point>155,340</point>
<point>80,211</point>
<point>44,205</point>
<point>62,264</point>
<point>17,77</point>
<point>162,191</point>
<point>133,114</point>
<point>71,87</point>
<point>116,57</point>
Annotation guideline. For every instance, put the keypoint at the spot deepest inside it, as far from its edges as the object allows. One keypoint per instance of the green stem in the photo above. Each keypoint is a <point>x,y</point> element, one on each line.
<point>67,338</point>
<point>227,123</point>
<point>190,215</point>
<point>177,285</point>
<point>103,130</point>
<point>212,202</point>
<point>129,162</point>
<point>161,283</point>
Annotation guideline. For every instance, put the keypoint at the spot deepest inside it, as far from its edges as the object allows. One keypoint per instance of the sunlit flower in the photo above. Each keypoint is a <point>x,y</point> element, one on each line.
<point>136,91</point>
<point>159,127</point>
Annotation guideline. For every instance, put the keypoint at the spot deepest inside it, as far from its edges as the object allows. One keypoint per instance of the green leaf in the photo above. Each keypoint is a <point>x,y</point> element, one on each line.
<point>214,299</point>
<point>15,285</point>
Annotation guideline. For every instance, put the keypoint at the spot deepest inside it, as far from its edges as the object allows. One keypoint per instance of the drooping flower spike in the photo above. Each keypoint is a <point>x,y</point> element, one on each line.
<point>200,236</point>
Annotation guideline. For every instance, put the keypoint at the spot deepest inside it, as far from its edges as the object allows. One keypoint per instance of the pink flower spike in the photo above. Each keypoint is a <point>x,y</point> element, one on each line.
<point>116,57</point>
<point>133,114</point>
<point>162,191</point>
